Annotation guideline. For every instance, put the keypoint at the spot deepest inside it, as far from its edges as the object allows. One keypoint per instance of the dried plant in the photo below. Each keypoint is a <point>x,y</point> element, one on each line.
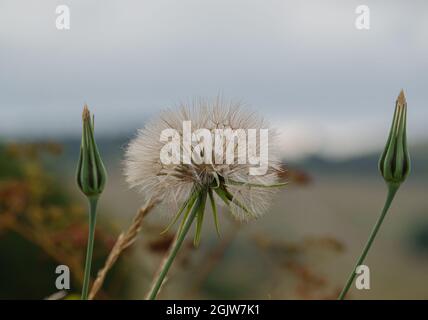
<point>125,240</point>
<point>35,208</point>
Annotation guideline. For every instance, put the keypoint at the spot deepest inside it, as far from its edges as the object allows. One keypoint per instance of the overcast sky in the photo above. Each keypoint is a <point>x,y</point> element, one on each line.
<point>326,86</point>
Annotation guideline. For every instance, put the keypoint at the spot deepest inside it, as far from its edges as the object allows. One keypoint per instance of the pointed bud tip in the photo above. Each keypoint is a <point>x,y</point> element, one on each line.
<point>401,98</point>
<point>86,115</point>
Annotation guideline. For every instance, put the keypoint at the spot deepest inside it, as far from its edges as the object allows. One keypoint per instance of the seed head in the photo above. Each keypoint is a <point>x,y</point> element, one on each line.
<point>248,196</point>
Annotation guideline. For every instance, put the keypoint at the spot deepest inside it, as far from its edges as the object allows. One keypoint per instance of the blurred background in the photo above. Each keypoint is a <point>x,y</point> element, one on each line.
<point>328,88</point>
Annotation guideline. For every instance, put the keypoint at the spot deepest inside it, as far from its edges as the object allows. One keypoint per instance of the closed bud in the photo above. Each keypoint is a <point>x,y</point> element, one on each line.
<point>394,163</point>
<point>91,173</point>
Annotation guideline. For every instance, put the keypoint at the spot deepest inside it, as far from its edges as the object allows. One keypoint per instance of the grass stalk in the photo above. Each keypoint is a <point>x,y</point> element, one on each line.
<point>392,190</point>
<point>172,253</point>
<point>93,201</point>
<point>123,242</point>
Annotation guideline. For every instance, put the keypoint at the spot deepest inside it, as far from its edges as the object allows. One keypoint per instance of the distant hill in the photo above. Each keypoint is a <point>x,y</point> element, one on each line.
<point>365,164</point>
<point>112,149</point>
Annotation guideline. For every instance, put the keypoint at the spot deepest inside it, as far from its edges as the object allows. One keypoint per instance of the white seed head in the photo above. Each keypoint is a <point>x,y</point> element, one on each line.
<point>174,183</point>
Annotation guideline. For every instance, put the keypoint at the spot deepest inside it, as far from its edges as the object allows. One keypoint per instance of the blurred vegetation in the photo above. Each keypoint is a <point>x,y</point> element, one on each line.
<point>41,227</point>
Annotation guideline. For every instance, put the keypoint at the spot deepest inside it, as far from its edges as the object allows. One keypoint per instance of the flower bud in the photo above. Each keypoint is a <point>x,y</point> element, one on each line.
<point>91,173</point>
<point>394,163</point>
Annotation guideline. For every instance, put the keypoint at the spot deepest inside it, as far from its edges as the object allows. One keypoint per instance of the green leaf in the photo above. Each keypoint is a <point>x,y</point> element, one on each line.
<point>227,197</point>
<point>192,202</point>
<point>214,207</point>
<point>220,192</point>
<point>200,218</point>
<point>178,214</point>
<point>257,185</point>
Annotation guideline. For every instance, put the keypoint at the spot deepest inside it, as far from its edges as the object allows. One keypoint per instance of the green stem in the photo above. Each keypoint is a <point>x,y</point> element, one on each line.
<point>92,220</point>
<point>392,190</point>
<point>178,241</point>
